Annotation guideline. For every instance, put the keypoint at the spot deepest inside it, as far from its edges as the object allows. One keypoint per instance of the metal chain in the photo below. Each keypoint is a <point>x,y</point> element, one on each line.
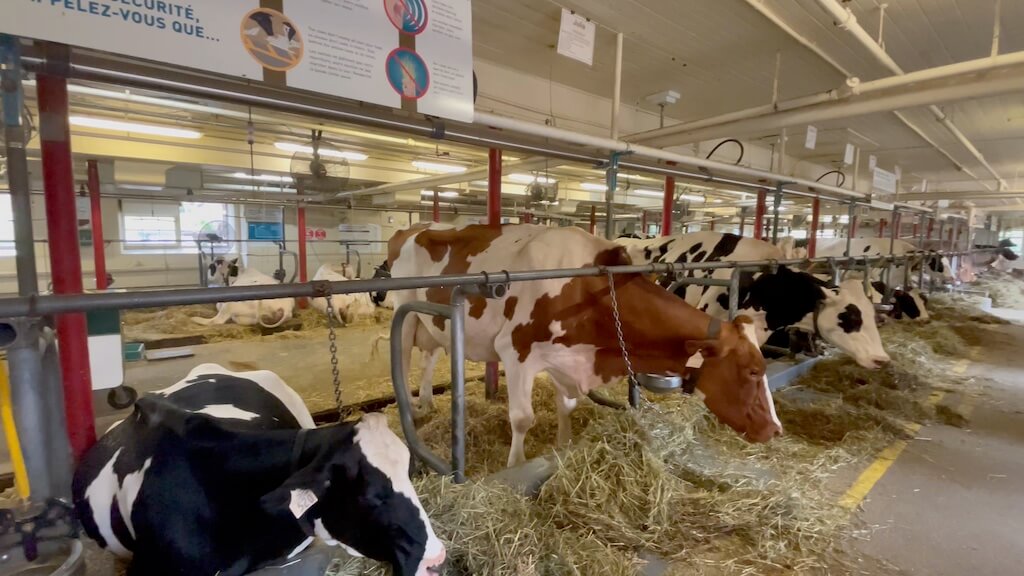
<point>332,338</point>
<point>618,329</point>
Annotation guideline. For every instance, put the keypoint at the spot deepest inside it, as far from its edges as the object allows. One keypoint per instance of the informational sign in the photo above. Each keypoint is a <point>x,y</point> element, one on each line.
<point>263,213</point>
<point>316,234</point>
<point>576,37</point>
<point>884,181</point>
<point>872,163</point>
<point>848,155</point>
<point>359,232</point>
<point>812,137</point>
<point>265,230</point>
<point>410,54</point>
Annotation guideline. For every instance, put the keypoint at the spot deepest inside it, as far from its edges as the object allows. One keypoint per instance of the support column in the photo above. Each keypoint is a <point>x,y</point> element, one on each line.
<point>743,224</point>
<point>493,219</point>
<point>494,187</point>
<point>762,201</point>
<point>611,177</point>
<point>437,207</point>
<point>851,227</point>
<point>643,222</point>
<point>527,217</point>
<point>812,236</point>
<point>593,219</point>
<point>931,226</point>
<point>667,203</point>
<point>98,243</point>
<point>65,258</point>
<point>881,227</point>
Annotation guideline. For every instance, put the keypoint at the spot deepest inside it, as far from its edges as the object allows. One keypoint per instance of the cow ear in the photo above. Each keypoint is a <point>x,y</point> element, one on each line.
<point>899,293</point>
<point>213,269</point>
<point>878,286</point>
<point>234,261</point>
<point>707,348</point>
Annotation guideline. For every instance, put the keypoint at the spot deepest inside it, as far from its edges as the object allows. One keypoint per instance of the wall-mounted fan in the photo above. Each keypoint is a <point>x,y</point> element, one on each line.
<point>539,193</point>
<point>320,166</point>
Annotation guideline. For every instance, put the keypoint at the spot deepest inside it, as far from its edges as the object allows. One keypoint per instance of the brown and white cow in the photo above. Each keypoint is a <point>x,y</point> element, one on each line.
<point>565,327</point>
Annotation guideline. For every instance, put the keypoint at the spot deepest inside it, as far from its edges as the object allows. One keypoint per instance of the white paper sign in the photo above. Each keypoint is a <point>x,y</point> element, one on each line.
<point>812,137</point>
<point>848,156</point>
<point>414,54</point>
<point>576,37</point>
<point>872,162</point>
<point>884,181</point>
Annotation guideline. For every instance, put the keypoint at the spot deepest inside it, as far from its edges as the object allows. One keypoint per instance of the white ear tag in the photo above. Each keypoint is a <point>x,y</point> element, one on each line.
<point>302,500</point>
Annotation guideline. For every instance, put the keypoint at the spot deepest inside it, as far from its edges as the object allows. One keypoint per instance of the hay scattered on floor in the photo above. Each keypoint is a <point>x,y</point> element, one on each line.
<point>148,324</point>
<point>1005,290</point>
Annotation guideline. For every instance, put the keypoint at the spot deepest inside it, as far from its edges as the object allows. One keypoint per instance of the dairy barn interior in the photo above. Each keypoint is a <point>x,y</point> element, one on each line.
<point>639,287</point>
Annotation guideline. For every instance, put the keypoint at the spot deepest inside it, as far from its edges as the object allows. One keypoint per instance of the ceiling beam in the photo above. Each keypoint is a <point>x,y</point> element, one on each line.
<point>963,195</point>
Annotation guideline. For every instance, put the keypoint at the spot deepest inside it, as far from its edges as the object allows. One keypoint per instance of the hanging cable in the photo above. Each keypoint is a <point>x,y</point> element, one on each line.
<point>840,177</point>
<point>726,141</point>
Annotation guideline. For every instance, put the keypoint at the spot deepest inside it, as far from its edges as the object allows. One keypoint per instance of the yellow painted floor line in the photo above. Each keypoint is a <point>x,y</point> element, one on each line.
<point>877,469</point>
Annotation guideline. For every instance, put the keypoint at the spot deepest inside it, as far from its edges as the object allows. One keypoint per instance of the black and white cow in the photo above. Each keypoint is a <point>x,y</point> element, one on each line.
<point>786,299</point>
<point>910,304</point>
<point>224,472</point>
<point>937,267</point>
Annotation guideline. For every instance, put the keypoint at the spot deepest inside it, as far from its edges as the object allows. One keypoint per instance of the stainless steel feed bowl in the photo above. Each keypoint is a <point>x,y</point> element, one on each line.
<point>660,383</point>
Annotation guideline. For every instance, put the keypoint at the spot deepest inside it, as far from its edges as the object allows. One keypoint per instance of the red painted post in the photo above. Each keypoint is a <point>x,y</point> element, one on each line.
<point>494,187</point>
<point>881,227</point>
<point>667,202</point>
<point>593,219</point>
<point>897,224</point>
<point>762,202</point>
<point>853,227</point>
<point>493,219</point>
<point>65,258</point>
<point>931,226</point>
<point>98,254</point>
<point>812,236</point>
<point>917,227</point>
<point>437,207</point>
<point>528,218</point>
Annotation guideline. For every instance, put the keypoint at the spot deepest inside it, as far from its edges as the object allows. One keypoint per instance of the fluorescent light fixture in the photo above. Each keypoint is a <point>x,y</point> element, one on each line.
<point>594,186</point>
<point>325,152</point>
<point>648,193</point>
<point>480,183</point>
<point>530,178</point>
<point>263,177</point>
<point>692,198</point>
<point>438,167</point>
<point>442,194</point>
<point>121,126</point>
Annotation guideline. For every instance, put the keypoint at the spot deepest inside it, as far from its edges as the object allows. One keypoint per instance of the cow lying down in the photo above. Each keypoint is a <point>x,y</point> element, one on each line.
<point>224,472</point>
<point>269,313</point>
<point>348,308</point>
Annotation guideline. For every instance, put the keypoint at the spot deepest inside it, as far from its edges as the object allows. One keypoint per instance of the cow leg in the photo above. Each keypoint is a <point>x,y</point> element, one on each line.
<point>222,317</point>
<point>427,379</point>
<point>408,341</point>
<point>520,408</point>
<point>564,407</point>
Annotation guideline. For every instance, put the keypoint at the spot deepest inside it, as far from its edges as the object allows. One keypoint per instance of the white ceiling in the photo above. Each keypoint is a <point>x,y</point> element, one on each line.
<point>720,55</point>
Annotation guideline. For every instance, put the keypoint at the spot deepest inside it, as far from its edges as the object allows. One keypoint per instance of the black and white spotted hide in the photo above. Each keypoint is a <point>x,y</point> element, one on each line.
<point>224,473</point>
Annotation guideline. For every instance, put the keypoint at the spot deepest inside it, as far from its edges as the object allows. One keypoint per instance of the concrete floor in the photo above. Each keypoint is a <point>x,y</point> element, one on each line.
<point>951,504</point>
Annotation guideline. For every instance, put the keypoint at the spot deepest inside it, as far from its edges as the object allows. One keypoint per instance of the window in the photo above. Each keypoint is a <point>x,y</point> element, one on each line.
<point>6,225</point>
<point>166,226</point>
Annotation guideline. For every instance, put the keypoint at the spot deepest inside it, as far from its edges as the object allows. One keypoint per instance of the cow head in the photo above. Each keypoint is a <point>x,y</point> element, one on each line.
<point>939,268</point>
<point>363,500</point>
<point>905,303</point>
<point>845,318</point>
<point>732,379</point>
<point>223,271</point>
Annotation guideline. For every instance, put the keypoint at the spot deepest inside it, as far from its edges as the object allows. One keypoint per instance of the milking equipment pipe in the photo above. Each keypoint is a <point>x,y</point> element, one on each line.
<point>401,387</point>
<point>850,228</point>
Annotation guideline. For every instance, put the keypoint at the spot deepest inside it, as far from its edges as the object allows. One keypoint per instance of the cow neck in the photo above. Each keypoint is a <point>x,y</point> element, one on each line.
<point>657,325</point>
